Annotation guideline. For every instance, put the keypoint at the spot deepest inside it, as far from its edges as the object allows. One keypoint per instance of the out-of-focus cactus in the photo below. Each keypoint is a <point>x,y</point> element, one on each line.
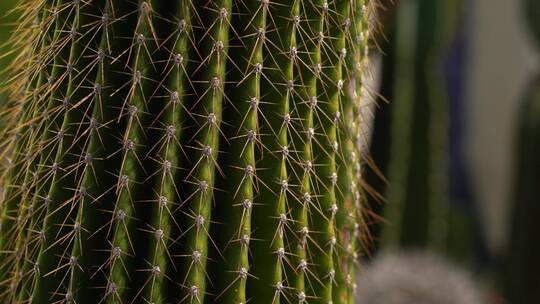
<point>414,149</point>
<point>186,151</point>
<point>520,278</point>
<point>416,192</point>
<point>532,12</point>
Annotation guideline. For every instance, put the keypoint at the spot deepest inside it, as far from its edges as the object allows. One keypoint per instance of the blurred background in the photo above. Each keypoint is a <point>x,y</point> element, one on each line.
<point>456,135</point>
<point>458,144</point>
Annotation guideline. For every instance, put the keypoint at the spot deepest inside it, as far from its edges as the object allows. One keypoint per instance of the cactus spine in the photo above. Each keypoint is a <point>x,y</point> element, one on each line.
<point>184,152</point>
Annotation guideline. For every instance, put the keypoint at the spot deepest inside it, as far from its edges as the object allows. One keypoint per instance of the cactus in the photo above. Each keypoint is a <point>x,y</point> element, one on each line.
<point>418,131</point>
<point>410,139</point>
<point>532,10</point>
<point>519,279</point>
<point>184,152</point>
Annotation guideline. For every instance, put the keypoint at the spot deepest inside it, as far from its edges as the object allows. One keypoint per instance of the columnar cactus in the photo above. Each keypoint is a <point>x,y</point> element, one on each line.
<point>187,151</point>
<point>519,278</point>
<point>411,136</point>
<point>531,11</point>
<point>416,189</point>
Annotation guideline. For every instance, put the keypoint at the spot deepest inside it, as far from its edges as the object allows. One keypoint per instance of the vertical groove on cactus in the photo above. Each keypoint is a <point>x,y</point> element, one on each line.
<point>186,152</point>
<point>212,44</point>
<point>326,145</point>
<point>271,211</point>
<point>103,149</point>
<point>246,66</point>
<point>136,208</point>
<point>311,35</point>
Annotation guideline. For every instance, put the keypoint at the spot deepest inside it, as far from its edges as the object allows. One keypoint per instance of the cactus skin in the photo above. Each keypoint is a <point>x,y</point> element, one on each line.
<point>184,152</point>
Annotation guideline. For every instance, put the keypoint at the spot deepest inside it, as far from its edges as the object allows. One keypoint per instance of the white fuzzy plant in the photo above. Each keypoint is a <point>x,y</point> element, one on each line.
<point>416,277</point>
